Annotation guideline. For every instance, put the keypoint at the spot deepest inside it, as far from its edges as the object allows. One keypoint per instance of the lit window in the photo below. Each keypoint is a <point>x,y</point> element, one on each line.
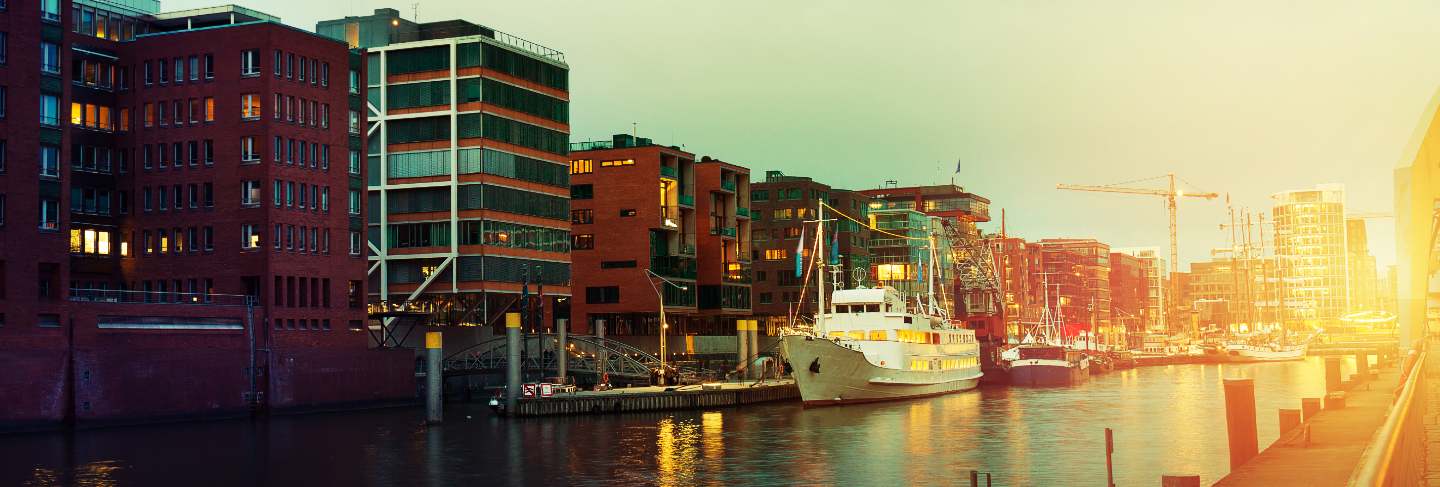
<point>250,106</point>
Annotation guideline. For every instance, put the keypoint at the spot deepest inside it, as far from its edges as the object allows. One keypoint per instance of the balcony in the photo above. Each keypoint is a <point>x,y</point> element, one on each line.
<point>723,231</point>
<point>728,185</point>
<point>687,200</point>
<point>737,274</point>
<point>669,172</point>
<point>742,212</point>
<point>673,266</point>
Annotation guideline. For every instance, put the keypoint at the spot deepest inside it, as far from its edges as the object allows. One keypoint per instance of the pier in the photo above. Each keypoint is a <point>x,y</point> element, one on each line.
<point>655,398</point>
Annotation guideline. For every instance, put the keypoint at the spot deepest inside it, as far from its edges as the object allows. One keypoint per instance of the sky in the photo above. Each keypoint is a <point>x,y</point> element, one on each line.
<point>1243,98</point>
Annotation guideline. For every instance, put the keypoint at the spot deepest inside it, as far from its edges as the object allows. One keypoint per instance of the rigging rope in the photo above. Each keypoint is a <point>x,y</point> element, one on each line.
<point>872,228</point>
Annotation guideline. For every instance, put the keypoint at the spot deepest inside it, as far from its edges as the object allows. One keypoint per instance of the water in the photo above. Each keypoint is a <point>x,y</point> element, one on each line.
<point>1166,419</point>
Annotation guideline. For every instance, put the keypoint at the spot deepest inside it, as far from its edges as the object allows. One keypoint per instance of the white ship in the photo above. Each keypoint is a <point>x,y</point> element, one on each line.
<point>1265,351</point>
<point>873,345</point>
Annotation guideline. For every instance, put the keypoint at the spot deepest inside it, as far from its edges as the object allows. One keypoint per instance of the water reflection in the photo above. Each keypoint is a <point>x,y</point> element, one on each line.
<point>1166,419</point>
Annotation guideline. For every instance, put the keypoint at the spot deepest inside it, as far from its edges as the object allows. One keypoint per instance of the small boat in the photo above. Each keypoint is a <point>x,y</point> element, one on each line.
<point>1043,358</point>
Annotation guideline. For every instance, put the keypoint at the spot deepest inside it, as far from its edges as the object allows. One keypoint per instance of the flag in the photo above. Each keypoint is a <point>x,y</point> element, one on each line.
<point>800,255</point>
<point>957,166</point>
<point>835,245</point>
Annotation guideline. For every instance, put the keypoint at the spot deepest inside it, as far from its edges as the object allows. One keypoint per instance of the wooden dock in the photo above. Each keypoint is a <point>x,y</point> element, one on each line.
<point>658,399</point>
<point>1325,449</point>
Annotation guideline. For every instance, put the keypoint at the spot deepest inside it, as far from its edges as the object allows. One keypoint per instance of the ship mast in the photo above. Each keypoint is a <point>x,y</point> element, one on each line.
<point>820,310</point>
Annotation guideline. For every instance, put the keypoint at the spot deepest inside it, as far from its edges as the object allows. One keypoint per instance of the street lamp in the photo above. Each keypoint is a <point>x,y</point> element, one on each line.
<point>663,324</point>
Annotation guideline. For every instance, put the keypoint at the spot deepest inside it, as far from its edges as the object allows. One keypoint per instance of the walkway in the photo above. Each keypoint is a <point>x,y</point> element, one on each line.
<point>1337,438</point>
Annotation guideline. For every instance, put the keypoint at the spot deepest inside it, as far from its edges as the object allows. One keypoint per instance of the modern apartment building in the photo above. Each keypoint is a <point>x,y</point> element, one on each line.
<point>1078,272</point>
<point>632,210</point>
<point>468,136</point>
<point>1157,278</point>
<point>1364,278</point>
<point>782,205</point>
<point>640,208</point>
<point>1310,244</point>
<point>168,241</point>
<point>1129,295</point>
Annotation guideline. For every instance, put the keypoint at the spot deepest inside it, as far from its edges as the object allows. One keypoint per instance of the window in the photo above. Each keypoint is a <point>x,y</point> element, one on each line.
<point>49,214</point>
<point>209,66</point>
<point>209,189</point>
<point>325,116</point>
<point>194,68</point>
<point>124,122</point>
<point>627,212</point>
<point>5,47</point>
<point>602,295</point>
<point>250,193</point>
<point>354,207</point>
<point>249,64</point>
<point>324,74</point>
<point>247,149</point>
<point>50,10</point>
<point>582,241</point>
<point>289,193</point>
<point>149,115</point>
<point>164,68</point>
<point>49,57</point>
<point>325,198</point>
<point>582,166</point>
<point>279,230</point>
<point>148,78</point>
<point>354,82</point>
<point>179,70</point>
<point>249,237</point>
<point>278,191</point>
<point>209,109</point>
<point>354,243</point>
<point>582,216</point>
<point>208,147</point>
<point>194,148</point>
<point>290,65</point>
<point>582,191</point>
<point>354,162</point>
<point>249,106</point>
<point>49,160</point>
<point>49,108</point>
<point>354,122</point>
<point>301,74</point>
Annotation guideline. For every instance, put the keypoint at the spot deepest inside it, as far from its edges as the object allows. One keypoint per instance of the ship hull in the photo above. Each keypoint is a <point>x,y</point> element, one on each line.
<point>830,374</point>
<point>1259,355</point>
<point>1045,373</point>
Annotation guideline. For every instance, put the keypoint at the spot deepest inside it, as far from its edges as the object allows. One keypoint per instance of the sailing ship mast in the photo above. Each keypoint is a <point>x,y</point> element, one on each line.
<point>820,310</point>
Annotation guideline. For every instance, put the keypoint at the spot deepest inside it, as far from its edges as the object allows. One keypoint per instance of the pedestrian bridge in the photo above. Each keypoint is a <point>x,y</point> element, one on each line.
<point>586,354</point>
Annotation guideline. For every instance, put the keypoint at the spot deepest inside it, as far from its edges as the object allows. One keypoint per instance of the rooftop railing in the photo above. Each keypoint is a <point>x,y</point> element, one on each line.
<point>520,43</point>
<point>157,297</point>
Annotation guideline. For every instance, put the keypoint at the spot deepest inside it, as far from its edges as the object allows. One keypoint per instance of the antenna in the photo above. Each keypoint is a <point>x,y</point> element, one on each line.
<point>415,12</point>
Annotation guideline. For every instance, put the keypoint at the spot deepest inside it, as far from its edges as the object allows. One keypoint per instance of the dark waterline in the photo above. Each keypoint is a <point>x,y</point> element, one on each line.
<point>1166,419</point>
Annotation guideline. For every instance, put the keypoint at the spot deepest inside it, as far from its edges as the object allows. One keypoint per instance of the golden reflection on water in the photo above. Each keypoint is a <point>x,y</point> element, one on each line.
<point>677,453</point>
<point>713,425</point>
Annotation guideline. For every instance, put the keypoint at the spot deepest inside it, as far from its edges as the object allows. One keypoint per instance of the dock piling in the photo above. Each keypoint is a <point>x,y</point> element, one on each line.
<point>563,357</point>
<point>1308,407</point>
<point>742,352</point>
<point>1289,420</point>
<point>1181,480</point>
<point>1240,420</point>
<point>1332,374</point>
<point>512,361</point>
<point>434,381</point>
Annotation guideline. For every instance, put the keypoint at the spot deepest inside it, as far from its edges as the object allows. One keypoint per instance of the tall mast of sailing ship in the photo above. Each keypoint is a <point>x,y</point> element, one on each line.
<point>820,268</point>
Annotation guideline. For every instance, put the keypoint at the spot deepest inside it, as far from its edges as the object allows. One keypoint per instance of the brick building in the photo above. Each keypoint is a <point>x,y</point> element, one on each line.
<point>1129,297</point>
<point>166,215</point>
<point>782,204</point>
<point>1078,271</point>
<point>468,168</point>
<point>638,206</point>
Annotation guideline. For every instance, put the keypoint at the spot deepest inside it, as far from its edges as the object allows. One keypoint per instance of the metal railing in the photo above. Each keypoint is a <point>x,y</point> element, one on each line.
<point>520,43</point>
<point>156,297</point>
<point>687,200</point>
<point>1396,455</point>
<point>742,211</point>
<point>727,184</point>
<point>724,231</point>
<point>669,172</point>
<point>673,266</point>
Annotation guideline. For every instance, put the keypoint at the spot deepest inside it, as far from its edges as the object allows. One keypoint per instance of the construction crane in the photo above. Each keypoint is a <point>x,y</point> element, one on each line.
<point>1170,196</point>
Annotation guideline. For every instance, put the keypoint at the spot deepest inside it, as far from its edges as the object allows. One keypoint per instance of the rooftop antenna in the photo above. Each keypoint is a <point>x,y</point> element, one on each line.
<point>415,12</point>
<point>635,129</point>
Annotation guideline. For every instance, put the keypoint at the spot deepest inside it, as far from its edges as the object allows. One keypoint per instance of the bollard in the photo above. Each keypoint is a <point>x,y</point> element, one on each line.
<point>512,361</point>
<point>1332,374</point>
<point>1179,480</point>
<point>434,351</point>
<point>1289,420</point>
<point>1362,366</point>
<point>1308,407</point>
<point>742,352</point>
<point>1240,421</point>
<point>563,357</point>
